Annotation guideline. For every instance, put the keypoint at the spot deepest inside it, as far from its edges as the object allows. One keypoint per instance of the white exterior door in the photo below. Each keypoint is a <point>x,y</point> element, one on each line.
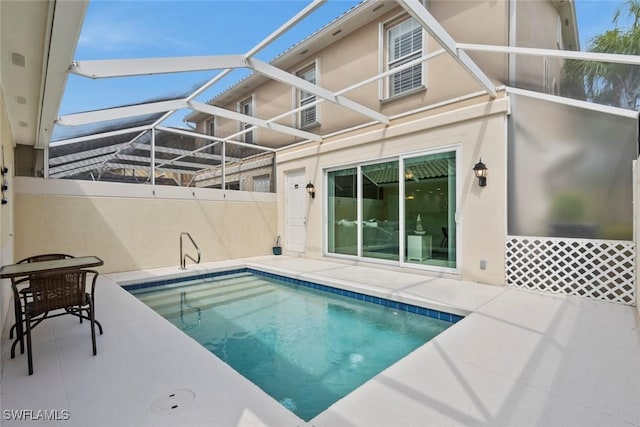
<point>295,203</point>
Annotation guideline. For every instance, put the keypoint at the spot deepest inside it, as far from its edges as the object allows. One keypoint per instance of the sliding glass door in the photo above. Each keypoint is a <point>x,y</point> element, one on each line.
<point>342,212</point>
<point>429,209</point>
<point>398,210</point>
<point>380,217</point>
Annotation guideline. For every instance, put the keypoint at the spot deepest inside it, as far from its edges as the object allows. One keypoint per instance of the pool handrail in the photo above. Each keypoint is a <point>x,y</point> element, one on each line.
<point>183,256</point>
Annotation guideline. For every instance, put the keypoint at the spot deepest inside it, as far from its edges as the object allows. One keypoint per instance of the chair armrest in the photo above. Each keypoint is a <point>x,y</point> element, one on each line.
<point>95,274</point>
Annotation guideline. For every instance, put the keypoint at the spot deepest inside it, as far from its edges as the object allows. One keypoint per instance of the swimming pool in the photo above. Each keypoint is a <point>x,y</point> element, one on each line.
<point>307,345</point>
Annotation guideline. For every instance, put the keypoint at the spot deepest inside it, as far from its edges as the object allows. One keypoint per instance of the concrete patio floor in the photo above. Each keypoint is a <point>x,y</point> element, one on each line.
<point>517,359</point>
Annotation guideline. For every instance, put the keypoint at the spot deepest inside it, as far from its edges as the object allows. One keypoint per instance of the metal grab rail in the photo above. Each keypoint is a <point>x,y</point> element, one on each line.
<point>183,257</point>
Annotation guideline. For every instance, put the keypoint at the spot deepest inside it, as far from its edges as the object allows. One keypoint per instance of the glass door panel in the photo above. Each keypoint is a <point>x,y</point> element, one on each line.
<point>342,212</point>
<point>429,209</point>
<point>380,207</point>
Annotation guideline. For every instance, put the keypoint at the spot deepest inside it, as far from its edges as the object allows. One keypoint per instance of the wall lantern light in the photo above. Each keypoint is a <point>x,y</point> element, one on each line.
<point>480,169</point>
<point>311,190</point>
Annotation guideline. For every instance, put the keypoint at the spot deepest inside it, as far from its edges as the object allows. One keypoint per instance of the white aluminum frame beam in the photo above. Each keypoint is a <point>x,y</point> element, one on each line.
<point>87,117</point>
<point>224,141</point>
<point>437,31</point>
<point>106,68</point>
<point>287,78</point>
<point>222,112</point>
<point>185,153</point>
<point>257,48</point>
<point>164,106</point>
<point>622,112</point>
<point>150,66</point>
<point>117,166</point>
<point>71,167</point>
<point>213,138</point>
<point>99,135</point>
<point>130,158</point>
<point>87,154</point>
<point>80,155</point>
<point>567,54</point>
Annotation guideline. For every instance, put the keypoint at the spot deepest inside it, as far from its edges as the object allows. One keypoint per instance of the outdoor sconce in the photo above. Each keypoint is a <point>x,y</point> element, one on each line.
<point>480,169</point>
<point>311,190</point>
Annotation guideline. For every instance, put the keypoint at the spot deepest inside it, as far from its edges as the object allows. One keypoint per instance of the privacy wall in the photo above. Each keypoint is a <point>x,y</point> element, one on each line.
<point>570,200</point>
<point>570,171</point>
<point>135,227</point>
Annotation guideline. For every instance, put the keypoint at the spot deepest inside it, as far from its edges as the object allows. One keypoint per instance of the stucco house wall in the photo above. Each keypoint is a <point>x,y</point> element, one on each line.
<point>478,130</point>
<point>6,210</point>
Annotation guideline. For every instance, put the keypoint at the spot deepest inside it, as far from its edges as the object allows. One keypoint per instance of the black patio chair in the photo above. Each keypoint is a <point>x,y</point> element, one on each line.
<point>23,292</point>
<point>60,291</point>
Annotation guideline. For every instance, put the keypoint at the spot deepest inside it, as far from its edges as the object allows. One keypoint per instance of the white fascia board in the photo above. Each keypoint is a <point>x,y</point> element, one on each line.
<point>121,112</point>
<point>437,31</point>
<point>299,83</point>
<point>217,111</point>
<point>567,54</point>
<point>66,23</point>
<point>98,69</point>
<point>98,135</point>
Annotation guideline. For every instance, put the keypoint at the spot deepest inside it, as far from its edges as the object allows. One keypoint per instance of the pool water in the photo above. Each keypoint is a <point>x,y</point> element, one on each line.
<point>306,348</point>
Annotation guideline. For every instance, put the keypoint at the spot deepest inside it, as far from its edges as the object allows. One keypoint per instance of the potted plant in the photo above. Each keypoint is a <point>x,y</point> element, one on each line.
<point>277,249</point>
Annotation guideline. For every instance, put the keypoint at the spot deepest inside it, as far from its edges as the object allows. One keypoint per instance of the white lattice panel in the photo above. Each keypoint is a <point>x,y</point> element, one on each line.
<point>601,269</point>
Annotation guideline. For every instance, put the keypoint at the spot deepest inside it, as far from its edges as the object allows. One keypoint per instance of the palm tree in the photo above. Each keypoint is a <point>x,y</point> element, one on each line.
<point>609,83</point>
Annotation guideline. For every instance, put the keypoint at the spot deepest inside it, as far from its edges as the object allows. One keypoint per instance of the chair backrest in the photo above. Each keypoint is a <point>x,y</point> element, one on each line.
<point>44,257</point>
<point>53,291</point>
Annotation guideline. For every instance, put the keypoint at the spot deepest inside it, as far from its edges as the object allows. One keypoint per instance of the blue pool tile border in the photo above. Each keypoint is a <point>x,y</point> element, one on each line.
<point>428,312</point>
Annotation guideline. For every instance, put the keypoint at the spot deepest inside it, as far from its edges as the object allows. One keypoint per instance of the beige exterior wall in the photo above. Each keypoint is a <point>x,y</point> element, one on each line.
<point>537,26</point>
<point>468,21</point>
<point>359,55</point>
<point>478,130</point>
<point>131,229</point>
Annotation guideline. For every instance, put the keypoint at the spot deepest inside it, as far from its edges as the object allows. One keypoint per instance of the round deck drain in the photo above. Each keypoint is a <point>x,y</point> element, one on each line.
<point>172,402</point>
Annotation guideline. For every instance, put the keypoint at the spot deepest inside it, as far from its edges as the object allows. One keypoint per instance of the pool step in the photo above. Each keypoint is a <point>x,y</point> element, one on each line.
<point>201,285</point>
<point>160,289</point>
<point>193,307</point>
<point>207,296</point>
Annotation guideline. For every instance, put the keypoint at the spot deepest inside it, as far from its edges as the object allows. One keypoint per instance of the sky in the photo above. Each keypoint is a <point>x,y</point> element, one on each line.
<point>116,29</point>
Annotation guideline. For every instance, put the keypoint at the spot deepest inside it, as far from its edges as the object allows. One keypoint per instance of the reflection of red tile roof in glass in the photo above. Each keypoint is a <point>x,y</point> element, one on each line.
<point>431,169</point>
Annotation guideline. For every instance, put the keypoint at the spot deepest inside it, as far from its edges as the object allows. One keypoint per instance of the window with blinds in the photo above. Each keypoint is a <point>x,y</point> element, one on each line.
<point>308,116</point>
<point>404,44</point>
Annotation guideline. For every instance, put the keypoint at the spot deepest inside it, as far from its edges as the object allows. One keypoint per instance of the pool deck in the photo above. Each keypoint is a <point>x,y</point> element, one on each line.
<point>518,359</point>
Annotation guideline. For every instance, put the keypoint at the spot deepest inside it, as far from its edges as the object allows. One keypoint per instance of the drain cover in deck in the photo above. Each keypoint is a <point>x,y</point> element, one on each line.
<point>172,402</point>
